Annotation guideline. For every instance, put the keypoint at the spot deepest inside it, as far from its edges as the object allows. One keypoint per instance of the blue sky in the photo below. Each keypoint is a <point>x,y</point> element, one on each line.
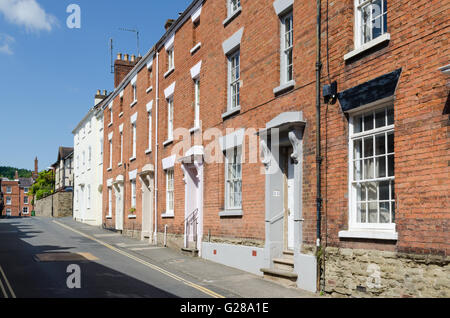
<point>49,73</point>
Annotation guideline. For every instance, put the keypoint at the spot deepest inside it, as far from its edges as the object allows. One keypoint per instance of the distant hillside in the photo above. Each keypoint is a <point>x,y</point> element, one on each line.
<point>9,172</point>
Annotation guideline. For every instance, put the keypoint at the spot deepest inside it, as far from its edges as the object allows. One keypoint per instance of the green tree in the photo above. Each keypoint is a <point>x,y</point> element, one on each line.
<point>9,172</point>
<point>43,185</point>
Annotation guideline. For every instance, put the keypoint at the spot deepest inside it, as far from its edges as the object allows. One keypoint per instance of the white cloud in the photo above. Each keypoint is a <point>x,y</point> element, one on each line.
<point>27,13</point>
<point>5,44</point>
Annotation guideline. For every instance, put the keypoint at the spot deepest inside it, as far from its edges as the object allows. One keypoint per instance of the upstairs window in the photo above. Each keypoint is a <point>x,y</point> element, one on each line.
<point>170,59</point>
<point>234,75</point>
<point>8,200</point>
<point>25,200</point>
<point>133,140</point>
<point>170,191</point>
<point>287,42</point>
<point>170,119</point>
<point>133,193</point>
<point>197,103</point>
<point>371,17</point>
<point>233,6</point>
<point>8,189</point>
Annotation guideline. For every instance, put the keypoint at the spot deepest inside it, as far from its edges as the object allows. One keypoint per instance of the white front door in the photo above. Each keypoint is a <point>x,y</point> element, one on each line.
<point>290,194</point>
<point>147,208</point>
<point>119,208</point>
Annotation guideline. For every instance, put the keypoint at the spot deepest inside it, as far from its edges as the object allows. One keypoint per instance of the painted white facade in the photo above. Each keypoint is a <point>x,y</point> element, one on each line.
<point>88,168</point>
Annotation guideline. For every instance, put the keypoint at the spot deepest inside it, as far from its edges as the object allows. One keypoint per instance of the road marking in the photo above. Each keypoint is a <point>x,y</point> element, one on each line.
<point>146,248</point>
<point>5,295</point>
<point>106,235</point>
<point>131,245</point>
<point>159,269</point>
<point>65,257</point>
<point>11,291</point>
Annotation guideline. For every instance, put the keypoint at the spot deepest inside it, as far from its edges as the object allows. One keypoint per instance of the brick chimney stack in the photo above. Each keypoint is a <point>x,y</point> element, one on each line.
<point>16,175</point>
<point>122,66</point>
<point>168,24</point>
<point>35,173</point>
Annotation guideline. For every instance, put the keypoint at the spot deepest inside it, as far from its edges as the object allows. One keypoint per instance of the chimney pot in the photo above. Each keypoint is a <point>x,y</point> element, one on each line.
<point>98,92</point>
<point>105,92</point>
<point>119,56</point>
<point>168,24</point>
<point>125,57</point>
<point>133,58</point>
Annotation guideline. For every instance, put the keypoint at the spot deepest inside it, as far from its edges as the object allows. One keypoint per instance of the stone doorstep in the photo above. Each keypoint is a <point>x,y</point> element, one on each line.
<point>189,251</point>
<point>286,264</point>
<point>286,278</point>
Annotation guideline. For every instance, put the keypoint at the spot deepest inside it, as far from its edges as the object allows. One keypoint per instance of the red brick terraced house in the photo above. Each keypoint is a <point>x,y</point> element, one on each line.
<point>212,144</point>
<point>16,201</point>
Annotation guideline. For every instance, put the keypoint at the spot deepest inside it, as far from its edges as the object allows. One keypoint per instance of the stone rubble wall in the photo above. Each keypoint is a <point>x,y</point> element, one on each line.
<point>62,205</point>
<point>372,273</point>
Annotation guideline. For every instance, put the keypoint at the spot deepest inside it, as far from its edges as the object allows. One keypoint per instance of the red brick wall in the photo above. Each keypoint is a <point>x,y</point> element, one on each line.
<point>14,195</point>
<point>419,45</point>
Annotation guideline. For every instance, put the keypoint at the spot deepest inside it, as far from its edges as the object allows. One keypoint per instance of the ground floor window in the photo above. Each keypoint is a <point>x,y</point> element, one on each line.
<point>372,168</point>
<point>170,191</point>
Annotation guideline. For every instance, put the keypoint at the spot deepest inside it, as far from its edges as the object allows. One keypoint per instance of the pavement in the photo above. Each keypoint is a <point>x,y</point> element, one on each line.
<point>35,255</point>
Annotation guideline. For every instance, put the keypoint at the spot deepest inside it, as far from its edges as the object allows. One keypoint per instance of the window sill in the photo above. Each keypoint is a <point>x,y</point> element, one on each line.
<point>109,217</point>
<point>284,87</point>
<point>228,213</point>
<point>169,72</point>
<point>231,17</point>
<point>149,89</point>
<point>369,234</point>
<point>131,216</point>
<point>381,39</point>
<point>167,142</point>
<point>168,215</point>
<point>231,112</point>
<point>121,114</point>
<point>109,169</point>
<point>133,103</point>
<point>132,159</point>
<point>194,130</point>
<point>196,47</point>
<point>110,124</point>
<point>148,151</point>
<point>119,164</point>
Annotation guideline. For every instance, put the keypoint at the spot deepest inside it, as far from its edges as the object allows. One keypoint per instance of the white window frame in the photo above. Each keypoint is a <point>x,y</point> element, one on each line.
<point>358,21</point>
<point>8,201</point>
<point>8,189</point>
<point>197,103</point>
<point>25,200</point>
<point>8,212</point>
<point>110,154</point>
<point>133,193</point>
<point>233,6</point>
<point>234,82</point>
<point>149,117</point>
<point>121,148</point>
<point>284,69</point>
<point>109,202</point>
<point>170,112</point>
<point>133,140</point>
<point>88,196</point>
<point>170,173</point>
<point>89,158</point>
<point>170,59</point>
<point>25,190</point>
<point>101,151</point>
<point>25,210</point>
<point>354,225</point>
<point>228,154</point>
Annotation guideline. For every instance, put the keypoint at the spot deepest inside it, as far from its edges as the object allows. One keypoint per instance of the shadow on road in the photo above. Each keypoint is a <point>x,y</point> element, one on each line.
<point>31,278</point>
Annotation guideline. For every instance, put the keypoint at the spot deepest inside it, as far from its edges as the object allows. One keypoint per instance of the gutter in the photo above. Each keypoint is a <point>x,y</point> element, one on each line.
<point>155,235</point>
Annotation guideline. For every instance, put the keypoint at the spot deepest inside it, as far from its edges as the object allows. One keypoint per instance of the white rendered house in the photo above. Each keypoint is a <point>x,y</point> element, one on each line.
<point>88,167</point>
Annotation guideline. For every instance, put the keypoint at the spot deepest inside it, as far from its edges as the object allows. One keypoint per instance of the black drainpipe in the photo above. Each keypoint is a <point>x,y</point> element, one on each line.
<point>318,152</point>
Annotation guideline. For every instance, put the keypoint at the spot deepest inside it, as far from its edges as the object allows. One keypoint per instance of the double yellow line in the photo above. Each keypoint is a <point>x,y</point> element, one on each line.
<point>147,264</point>
<point>8,286</point>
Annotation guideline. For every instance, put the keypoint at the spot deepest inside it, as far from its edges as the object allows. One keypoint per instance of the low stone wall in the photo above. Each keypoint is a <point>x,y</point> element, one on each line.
<point>371,273</point>
<point>174,241</point>
<point>62,205</point>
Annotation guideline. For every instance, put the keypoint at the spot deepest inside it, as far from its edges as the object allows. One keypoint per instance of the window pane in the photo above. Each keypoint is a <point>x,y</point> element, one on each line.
<point>368,122</point>
<point>372,191</point>
<point>368,169</point>
<point>380,119</point>
<point>384,212</point>
<point>357,170</point>
<point>385,26</point>
<point>380,146</point>
<point>357,124</point>
<point>384,190</point>
<point>368,147</point>
<point>390,142</point>
<point>376,28</point>
<point>360,192</point>
<point>361,211</point>
<point>357,146</point>
<point>393,211</point>
<point>381,167</point>
<point>391,165</point>
<point>373,212</point>
<point>390,115</point>
<point>392,190</point>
